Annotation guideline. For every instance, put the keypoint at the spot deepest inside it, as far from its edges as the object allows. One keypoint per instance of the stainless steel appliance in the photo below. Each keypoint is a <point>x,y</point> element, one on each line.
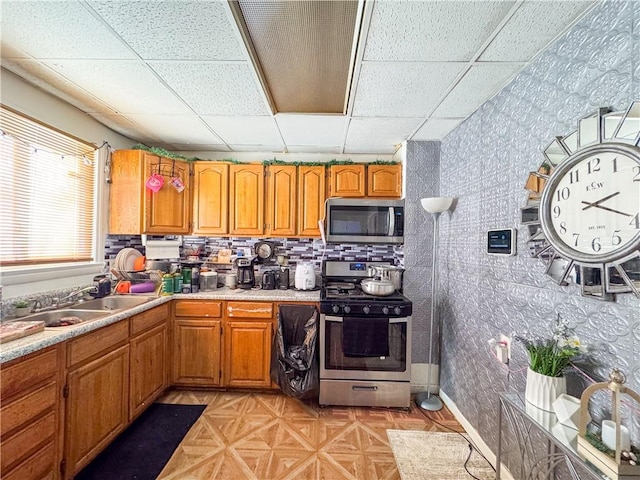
<point>246,276</point>
<point>354,220</point>
<point>269,280</point>
<point>365,340</point>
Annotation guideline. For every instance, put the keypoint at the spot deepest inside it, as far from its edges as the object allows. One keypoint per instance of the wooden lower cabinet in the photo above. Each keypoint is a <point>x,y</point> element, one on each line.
<point>30,395</point>
<point>248,332</point>
<point>196,343</point>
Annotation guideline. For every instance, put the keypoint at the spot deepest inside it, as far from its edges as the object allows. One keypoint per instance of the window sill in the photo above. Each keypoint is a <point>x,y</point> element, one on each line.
<point>27,281</point>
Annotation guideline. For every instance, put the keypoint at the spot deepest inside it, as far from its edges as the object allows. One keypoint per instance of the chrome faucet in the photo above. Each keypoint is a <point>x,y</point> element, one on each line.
<point>65,301</point>
<point>37,305</point>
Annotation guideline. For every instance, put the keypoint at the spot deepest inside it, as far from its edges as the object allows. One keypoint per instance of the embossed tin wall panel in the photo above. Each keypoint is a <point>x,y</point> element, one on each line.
<point>484,162</point>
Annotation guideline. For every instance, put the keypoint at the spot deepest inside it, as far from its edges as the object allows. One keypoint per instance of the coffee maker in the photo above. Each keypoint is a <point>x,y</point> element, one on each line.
<point>246,277</point>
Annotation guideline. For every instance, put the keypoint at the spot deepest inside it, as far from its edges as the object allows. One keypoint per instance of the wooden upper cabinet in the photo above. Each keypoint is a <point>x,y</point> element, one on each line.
<point>134,209</point>
<point>311,197</point>
<point>384,181</point>
<point>210,198</point>
<point>347,181</point>
<point>246,199</point>
<point>281,200</point>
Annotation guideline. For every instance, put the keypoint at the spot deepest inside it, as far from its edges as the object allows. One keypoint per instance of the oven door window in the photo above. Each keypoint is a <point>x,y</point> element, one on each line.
<point>396,361</point>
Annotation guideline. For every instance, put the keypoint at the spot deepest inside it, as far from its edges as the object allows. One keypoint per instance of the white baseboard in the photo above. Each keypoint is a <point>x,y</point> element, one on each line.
<point>475,436</point>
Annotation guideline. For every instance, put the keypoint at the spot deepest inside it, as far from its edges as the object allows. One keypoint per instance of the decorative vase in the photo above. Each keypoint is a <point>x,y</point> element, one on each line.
<point>567,409</point>
<point>22,311</point>
<point>542,390</point>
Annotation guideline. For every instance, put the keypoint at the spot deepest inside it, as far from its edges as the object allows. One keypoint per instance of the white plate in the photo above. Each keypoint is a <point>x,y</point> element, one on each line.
<point>126,258</point>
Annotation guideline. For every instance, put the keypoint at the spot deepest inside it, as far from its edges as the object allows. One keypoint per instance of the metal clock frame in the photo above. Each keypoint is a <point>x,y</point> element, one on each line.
<point>601,131</point>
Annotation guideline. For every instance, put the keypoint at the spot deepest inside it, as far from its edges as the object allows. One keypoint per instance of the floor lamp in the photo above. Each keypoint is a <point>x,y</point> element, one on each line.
<point>435,206</point>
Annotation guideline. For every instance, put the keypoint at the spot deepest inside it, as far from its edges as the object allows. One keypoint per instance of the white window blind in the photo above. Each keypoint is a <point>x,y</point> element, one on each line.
<point>47,194</point>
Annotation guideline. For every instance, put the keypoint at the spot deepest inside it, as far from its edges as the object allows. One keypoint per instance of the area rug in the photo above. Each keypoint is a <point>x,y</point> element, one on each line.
<point>436,456</point>
<point>143,449</point>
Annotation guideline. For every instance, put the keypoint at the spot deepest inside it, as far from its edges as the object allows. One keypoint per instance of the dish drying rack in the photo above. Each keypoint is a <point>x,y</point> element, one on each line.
<point>154,276</point>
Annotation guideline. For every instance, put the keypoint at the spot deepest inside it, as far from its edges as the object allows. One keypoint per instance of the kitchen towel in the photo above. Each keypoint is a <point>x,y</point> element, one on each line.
<point>365,337</point>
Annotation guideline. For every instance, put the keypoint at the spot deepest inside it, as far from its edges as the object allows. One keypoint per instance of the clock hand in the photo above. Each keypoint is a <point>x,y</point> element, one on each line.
<point>604,208</point>
<point>597,202</point>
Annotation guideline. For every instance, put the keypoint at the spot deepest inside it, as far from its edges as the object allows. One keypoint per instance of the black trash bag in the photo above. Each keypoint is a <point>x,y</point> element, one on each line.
<point>294,360</point>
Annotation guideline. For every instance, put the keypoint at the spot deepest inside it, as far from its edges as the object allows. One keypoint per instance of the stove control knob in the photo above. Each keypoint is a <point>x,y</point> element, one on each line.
<point>335,309</point>
<point>346,309</point>
<point>397,310</point>
<point>385,310</point>
<point>366,309</point>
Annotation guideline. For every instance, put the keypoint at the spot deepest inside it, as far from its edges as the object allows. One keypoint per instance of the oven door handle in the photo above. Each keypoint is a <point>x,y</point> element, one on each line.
<point>331,318</point>
<point>365,388</point>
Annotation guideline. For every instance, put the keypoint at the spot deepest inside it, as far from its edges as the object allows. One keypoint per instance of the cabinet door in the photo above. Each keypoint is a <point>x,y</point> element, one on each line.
<point>247,353</point>
<point>167,211</point>
<point>281,200</point>
<point>246,199</point>
<point>347,180</point>
<point>97,407</point>
<point>147,369</point>
<point>210,198</point>
<point>311,197</point>
<point>384,181</point>
<point>196,352</point>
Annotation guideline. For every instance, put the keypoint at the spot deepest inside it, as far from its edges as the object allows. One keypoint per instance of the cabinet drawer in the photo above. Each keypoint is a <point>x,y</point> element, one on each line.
<point>28,407</point>
<point>250,309</point>
<point>105,339</point>
<point>150,318</point>
<point>26,441</point>
<point>198,308</point>
<point>27,373</point>
<point>38,466</point>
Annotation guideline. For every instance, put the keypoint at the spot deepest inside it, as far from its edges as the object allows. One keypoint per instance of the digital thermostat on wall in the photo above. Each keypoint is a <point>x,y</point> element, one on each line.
<point>501,242</point>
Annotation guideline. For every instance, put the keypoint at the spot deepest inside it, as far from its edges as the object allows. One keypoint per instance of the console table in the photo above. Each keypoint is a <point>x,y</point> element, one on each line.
<point>561,442</point>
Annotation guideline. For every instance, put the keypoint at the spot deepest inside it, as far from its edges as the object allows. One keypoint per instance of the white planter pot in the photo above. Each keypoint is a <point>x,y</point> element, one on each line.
<point>22,311</point>
<point>567,409</point>
<point>541,390</point>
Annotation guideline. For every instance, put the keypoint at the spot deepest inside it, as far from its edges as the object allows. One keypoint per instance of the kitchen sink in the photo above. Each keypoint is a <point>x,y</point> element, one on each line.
<point>66,317</point>
<point>112,303</point>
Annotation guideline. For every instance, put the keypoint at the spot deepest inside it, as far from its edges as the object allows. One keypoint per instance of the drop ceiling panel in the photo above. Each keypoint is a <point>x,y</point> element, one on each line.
<point>436,128</point>
<point>477,86</point>
<point>532,27</point>
<point>256,148</point>
<point>312,129</point>
<point>314,149</point>
<point>372,149</point>
<point>431,30</point>
<point>129,87</point>
<point>380,131</point>
<point>214,88</point>
<point>178,128</point>
<point>58,30</point>
<point>128,128</point>
<point>248,130</point>
<point>192,147</point>
<point>402,89</point>
<point>174,30</point>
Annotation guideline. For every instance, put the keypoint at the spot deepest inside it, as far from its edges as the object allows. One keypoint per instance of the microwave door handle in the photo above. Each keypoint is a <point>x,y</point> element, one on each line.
<point>392,221</point>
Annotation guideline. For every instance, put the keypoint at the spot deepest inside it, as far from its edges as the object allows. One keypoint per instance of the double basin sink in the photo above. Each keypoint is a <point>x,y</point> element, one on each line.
<point>86,311</point>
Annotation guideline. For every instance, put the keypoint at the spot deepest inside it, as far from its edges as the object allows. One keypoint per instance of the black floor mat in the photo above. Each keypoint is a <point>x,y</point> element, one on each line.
<point>143,449</point>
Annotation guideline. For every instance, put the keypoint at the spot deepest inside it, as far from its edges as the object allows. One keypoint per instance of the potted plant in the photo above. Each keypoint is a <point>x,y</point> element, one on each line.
<point>549,358</point>
<point>21,308</point>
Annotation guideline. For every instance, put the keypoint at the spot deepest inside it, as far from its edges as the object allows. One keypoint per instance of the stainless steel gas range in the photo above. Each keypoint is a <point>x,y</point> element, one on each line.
<point>365,340</point>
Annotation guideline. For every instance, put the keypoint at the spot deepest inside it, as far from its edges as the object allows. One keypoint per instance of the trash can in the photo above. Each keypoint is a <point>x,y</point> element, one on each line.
<point>294,359</point>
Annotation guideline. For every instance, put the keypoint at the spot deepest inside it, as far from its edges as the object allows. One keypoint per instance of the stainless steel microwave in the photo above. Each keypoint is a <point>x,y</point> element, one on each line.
<point>353,220</point>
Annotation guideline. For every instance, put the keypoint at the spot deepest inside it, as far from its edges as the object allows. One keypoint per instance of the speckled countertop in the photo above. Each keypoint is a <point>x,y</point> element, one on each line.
<point>51,336</point>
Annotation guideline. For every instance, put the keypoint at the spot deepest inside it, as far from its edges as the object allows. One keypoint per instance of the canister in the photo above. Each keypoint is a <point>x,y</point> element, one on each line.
<point>177,282</point>
<point>208,281</point>
<point>167,284</point>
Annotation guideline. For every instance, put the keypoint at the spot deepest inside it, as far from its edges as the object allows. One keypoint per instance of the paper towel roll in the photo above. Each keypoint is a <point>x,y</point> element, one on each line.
<point>161,249</point>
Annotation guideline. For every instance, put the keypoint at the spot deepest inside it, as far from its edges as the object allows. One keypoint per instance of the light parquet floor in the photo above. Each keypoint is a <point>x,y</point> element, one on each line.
<point>269,436</point>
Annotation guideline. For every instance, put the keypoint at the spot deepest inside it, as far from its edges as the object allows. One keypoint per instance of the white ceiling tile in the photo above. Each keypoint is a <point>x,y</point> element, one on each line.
<point>402,89</point>
<point>314,148</point>
<point>174,30</point>
<point>480,83</point>
<point>380,131</point>
<point>247,130</point>
<point>450,30</point>
<point>532,27</point>
<point>187,129</point>
<point>214,88</point>
<point>256,148</point>
<point>59,29</point>
<point>436,128</point>
<point>312,130</point>
<point>127,127</point>
<point>196,150</point>
<point>128,87</point>
<point>372,149</point>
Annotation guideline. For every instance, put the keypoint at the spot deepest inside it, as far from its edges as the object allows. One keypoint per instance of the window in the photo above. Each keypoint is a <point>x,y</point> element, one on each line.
<point>47,194</point>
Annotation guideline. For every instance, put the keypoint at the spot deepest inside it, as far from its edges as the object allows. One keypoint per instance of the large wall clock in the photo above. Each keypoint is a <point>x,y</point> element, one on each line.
<point>583,210</point>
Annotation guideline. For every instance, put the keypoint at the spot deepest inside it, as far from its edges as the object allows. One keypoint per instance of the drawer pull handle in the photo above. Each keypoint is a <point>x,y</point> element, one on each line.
<point>371,388</point>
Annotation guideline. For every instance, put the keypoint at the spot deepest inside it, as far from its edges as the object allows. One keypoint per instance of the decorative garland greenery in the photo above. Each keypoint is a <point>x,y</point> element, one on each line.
<point>273,161</point>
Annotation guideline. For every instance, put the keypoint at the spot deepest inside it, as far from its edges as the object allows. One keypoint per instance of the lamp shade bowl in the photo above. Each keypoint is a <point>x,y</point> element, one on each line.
<point>436,204</point>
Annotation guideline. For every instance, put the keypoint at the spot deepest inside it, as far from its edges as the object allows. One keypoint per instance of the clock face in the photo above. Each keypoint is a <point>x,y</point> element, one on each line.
<point>593,204</point>
<point>264,250</point>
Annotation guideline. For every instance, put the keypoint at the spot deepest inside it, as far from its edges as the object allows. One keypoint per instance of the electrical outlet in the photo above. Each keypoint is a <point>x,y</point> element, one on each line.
<point>507,342</point>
